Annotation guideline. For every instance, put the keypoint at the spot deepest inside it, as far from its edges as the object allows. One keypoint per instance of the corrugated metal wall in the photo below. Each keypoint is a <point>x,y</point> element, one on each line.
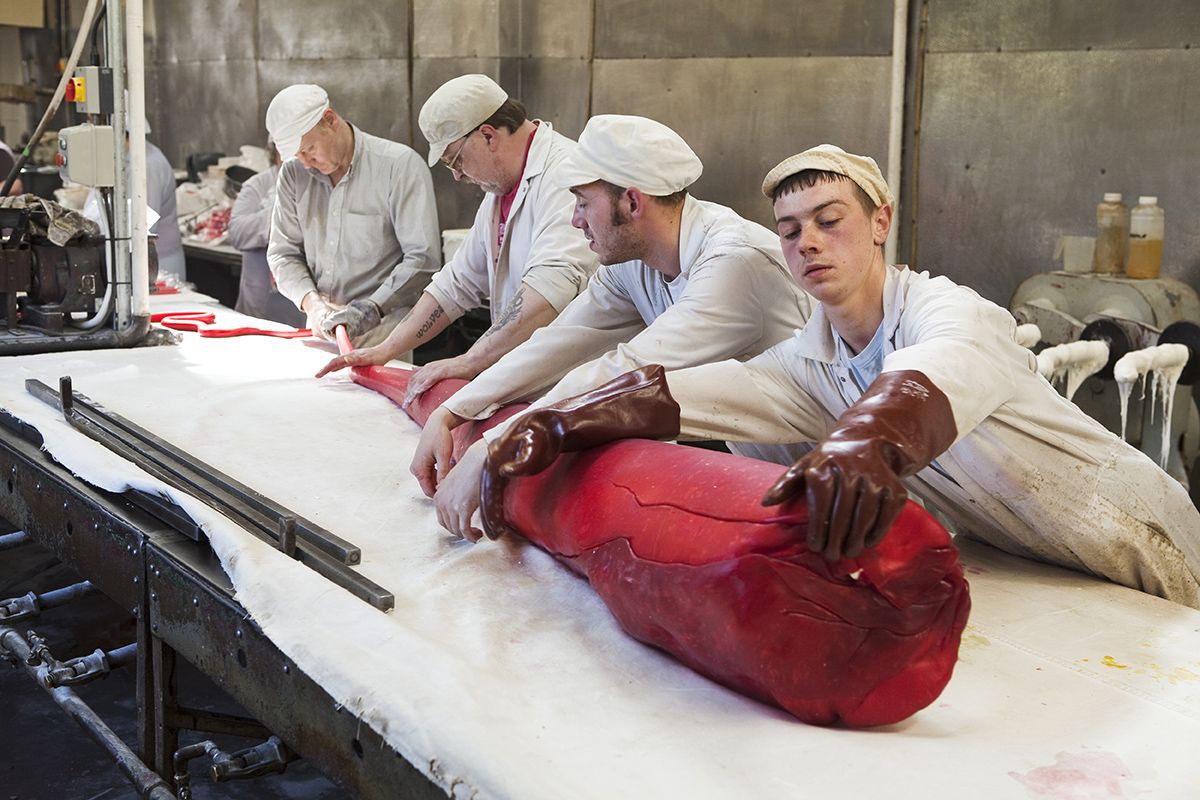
<point>1030,109</point>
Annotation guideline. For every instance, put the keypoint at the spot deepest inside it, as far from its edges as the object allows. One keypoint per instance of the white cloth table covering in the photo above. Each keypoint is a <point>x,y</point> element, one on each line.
<point>501,674</point>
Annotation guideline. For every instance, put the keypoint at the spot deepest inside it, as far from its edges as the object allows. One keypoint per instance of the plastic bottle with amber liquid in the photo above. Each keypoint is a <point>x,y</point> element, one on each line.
<point>1112,235</point>
<point>1146,239</point>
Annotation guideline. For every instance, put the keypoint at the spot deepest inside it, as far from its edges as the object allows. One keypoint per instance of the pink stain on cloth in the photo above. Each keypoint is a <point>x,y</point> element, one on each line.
<point>1077,776</point>
<point>698,568</point>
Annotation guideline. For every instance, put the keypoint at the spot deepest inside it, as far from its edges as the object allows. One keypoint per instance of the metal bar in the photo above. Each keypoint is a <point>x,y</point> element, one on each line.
<point>10,540</point>
<point>190,719</point>
<point>166,693</point>
<point>121,656</point>
<point>333,570</point>
<point>171,458</point>
<point>143,779</point>
<point>67,594</point>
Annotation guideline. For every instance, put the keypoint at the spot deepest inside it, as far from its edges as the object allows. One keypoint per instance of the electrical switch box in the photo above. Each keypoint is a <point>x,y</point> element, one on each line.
<point>86,155</point>
<point>90,89</point>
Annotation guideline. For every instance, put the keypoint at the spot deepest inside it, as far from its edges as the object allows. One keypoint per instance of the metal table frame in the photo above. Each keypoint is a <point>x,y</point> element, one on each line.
<point>184,606</point>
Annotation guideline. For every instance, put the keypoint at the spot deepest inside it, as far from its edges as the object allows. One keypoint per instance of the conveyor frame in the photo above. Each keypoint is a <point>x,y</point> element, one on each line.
<point>184,606</point>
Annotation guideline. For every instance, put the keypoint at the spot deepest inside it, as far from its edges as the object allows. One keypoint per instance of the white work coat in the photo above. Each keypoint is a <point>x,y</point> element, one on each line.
<point>733,298</point>
<point>540,249</point>
<point>1029,472</point>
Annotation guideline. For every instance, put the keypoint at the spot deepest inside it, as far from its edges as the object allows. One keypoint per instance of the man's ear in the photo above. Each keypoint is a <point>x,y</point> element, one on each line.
<point>637,201</point>
<point>881,223</point>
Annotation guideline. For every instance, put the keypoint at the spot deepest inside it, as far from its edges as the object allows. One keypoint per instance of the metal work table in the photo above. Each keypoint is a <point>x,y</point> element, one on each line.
<point>499,673</point>
<point>184,605</point>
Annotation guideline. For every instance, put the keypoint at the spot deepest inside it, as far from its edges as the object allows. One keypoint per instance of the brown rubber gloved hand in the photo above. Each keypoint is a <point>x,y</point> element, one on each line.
<point>852,479</point>
<point>636,405</point>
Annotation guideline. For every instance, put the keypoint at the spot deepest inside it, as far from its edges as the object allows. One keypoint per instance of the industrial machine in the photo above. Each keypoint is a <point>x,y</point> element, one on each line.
<point>67,283</point>
<point>1128,316</point>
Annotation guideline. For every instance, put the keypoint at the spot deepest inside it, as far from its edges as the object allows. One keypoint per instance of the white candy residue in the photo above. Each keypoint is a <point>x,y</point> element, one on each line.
<point>1165,362</point>
<point>1028,335</point>
<point>1074,360</point>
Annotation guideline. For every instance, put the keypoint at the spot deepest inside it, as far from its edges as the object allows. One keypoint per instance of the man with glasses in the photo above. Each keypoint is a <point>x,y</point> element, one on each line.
<point>354,233</point>
<point>522,254</point>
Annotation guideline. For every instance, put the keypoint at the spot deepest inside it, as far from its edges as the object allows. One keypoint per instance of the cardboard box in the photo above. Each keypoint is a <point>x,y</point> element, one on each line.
<point>23,13</point>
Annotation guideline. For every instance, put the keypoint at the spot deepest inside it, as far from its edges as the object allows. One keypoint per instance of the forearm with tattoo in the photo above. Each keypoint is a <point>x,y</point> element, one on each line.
<point>434,316</point>
<point>511,312</point>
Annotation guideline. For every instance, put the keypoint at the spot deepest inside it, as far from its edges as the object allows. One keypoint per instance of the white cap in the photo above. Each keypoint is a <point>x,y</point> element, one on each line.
<point>828,158</point>
<point>459,106</point>
<point>1112,197</point>
<point>294,112</point>
<point>631,152</point>
<point>1148,200</point>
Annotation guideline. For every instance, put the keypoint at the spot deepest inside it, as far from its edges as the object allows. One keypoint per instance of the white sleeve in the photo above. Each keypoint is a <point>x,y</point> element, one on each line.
<point>965,345</point>
<point>414,219</point>
<point>719,316</point>
<point>285,252</point>
<point>559,262</point>
<point>462,284</point>
<point>596,320</point>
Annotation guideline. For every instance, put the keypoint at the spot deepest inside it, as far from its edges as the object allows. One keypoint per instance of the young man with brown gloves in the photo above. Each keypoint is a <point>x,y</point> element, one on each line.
<point>902,381</point>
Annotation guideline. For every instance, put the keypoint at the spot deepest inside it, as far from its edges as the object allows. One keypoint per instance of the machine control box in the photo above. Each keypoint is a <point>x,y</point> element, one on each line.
<point>91,89</point>
<point>86,155</point>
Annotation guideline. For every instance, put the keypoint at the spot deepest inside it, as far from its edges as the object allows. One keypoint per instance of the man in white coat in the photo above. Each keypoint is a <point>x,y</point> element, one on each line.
<point>685,282</point>
<point>354,233</point>
<point>905,380</point>
<point>521,253</point>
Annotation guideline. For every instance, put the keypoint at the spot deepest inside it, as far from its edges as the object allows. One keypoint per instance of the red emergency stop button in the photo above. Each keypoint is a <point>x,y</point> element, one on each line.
<point>60,160</point>
<point>70,92</point>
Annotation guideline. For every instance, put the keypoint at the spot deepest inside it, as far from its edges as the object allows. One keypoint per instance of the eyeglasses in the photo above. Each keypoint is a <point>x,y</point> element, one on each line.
<point>452,164</point>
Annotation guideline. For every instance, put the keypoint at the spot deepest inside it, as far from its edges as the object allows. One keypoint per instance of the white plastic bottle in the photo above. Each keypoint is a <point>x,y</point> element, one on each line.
<point>1146,224</point>
<point>1112,235</point>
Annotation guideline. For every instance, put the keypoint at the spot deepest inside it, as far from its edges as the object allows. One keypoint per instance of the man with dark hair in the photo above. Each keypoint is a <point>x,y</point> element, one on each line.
<point>901,380</point>
<point>521,254</point>
<point>685,282</point>
<point>354,233</point>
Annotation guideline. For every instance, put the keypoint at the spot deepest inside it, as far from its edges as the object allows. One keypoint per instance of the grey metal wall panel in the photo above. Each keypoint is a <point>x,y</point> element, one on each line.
<point>741,118</point>
<point>347,29</point>
<point>218,30</point>
<point>554,89</point>
<point>456,28</point>
<point>457,202</point>
<point>371,93</point>
<point>719,28</point>
<point>1017,148</point>
<point>206,106</point>
<point>546,28</point>
<point>985,25</point>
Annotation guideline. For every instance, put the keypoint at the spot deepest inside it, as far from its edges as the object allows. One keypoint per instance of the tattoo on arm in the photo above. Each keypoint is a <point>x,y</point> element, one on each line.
<point>427,324</point>
<point>510,313</point>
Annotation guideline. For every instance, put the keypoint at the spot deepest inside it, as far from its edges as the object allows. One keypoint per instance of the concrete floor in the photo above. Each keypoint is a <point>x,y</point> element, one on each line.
<point>45,755</point>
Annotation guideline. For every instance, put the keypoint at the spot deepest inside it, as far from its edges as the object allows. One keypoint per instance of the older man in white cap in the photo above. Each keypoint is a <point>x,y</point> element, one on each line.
<point>905,380</point>
<point>354,233</point>
<point>685,282</point>
<point>521,254</point>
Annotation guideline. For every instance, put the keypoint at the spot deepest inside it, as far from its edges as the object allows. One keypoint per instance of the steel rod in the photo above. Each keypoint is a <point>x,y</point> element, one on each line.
<point>93,426</point>
<point>147,783</point>
<point>187,468</point>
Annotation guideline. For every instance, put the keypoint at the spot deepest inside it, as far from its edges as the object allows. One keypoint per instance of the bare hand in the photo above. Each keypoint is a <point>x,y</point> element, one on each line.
<point>355,358</point>
<point>435,451</point>
<point>457,496</point>
<point>433,372</point>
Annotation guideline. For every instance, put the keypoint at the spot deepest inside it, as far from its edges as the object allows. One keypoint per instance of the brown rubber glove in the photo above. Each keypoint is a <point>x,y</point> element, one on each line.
<point>852,479</point>
<point>635,405</point>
